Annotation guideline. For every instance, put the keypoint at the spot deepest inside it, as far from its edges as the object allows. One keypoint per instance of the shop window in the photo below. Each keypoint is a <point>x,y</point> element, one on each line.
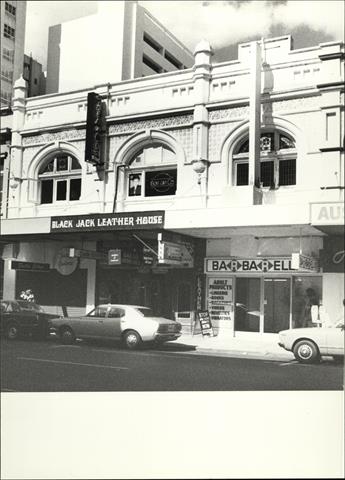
<point>152,173</point>
<point>60,179</point>
<point>278,160</point>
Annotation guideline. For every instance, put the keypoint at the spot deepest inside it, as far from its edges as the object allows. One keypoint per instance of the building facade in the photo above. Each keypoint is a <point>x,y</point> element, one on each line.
<point>13,16</point>
<point>122,41</point>
<point>219,187</point>
<point>34,77</point>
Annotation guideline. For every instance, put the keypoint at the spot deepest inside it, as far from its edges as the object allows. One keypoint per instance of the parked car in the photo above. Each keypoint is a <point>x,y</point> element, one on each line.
<point>310,344</point>
<point>130,323</point>
<point>20,317</point>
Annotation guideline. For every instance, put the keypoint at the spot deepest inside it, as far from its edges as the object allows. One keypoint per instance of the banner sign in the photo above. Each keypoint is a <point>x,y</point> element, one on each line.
<point>113,221</point>
<point>253,265</point>
<point>32,266</point>
<point>304,263</point>
<point>205,322</point>
<point>220,299</point>
<point>331,213</point>
<point>179,252</point>
<point>93,129</point>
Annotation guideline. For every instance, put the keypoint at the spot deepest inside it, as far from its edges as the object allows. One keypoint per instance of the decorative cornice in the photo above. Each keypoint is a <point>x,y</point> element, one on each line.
<point>332,149</point>
<point>330,85</point>
<point>172,121</point>
<point>72,134</point>
<point>332,56</point>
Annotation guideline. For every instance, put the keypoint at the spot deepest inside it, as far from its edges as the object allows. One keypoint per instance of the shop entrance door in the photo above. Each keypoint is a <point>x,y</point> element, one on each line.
<point>247,304</point>
<point>276,304</point>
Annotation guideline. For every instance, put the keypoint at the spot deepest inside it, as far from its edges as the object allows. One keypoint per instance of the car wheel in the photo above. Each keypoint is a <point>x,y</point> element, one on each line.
<point>12,331</point>
<point>132,339</point>
<point>67,336</point>
<point>306,351</point>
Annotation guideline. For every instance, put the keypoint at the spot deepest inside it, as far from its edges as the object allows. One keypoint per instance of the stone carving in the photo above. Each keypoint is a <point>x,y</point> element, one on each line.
<point>150,123</point>
<point>229,113</point>
<point>48,137</point>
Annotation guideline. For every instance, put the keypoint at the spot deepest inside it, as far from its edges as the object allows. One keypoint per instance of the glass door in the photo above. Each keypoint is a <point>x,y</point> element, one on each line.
<point>247,304</point>
<point>276,304</point>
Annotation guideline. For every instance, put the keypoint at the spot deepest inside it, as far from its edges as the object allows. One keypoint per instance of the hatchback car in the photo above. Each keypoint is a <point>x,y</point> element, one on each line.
<point>19,317</point>
<point>310,344</point>
<point>130,323</point>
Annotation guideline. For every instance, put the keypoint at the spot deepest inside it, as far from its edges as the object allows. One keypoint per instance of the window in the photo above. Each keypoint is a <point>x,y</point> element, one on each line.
<point>151,64</point>
<point>171,59</point>
<point>152,172</point>
<point>152,43</point>
<point>8,54</point>
<point>10,9</point>
<point>278,160</point>
<point>60,179</point>
<point>9,32</point>
<point>7,75</point>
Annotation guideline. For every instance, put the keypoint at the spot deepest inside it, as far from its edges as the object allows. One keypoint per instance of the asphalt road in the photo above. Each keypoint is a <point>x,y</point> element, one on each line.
<point>32,366</point>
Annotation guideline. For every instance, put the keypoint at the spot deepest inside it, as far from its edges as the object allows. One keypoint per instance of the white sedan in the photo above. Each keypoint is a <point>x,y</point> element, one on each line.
<point>310,344</point>
<point>130,323</point>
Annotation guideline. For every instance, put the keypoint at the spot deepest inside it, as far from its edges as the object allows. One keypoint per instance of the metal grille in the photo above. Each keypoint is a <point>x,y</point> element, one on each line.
<point>242,174</point>
<point>267,174</point>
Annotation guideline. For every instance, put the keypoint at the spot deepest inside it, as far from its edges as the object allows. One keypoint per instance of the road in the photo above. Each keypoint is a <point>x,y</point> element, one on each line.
<point>32,366</point>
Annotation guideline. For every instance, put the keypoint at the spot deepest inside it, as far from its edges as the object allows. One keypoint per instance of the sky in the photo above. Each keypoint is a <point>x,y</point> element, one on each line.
<point>222,23</point>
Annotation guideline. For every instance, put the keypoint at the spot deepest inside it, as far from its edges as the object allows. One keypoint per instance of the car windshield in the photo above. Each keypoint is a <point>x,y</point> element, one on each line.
<point>30,306</point>
<point>147,312</point>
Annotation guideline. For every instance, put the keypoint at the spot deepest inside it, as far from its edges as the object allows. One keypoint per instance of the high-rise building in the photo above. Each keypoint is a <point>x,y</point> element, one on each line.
<point>13,15</point>
<point>34,76</point>
<point>121,42</point>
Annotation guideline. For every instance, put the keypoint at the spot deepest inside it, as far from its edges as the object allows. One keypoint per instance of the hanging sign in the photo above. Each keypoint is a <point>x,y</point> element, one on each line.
<point>331,213</point>
<point>252,265</point>
<point>93,129</point>
<point>205,322</point>
<point>92,254</point>
<point>179,252</point>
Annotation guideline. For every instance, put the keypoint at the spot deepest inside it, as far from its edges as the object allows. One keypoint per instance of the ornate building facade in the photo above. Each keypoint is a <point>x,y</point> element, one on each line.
<point>219,187</point>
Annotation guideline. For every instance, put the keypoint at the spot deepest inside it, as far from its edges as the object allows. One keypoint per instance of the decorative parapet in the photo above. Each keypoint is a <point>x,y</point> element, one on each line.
<point>167,122</point>
<point>67,135</point>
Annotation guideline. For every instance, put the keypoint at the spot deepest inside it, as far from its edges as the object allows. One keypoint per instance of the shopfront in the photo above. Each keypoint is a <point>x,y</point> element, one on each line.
<point>262,295</point>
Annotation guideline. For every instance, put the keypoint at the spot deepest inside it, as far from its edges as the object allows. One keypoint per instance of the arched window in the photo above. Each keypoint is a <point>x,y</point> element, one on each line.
<point>277,160</point>
<point>60,179</point>
<point>152,172</point>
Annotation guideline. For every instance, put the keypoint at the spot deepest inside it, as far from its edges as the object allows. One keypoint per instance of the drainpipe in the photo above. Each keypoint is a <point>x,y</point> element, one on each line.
<point>117,184</point>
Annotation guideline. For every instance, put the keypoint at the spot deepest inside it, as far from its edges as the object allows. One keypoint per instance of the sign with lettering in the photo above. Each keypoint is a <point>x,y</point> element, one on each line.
<point>251,265</point>
<point>179,252</point>
<point>331,213</point>
<point>304,263</point>
<point>112,221</point>
<point>94,128</point>
<point>65,264</point>
<point>92,254</point>
<point>332,257</point>
<point>220,299</point>
<point>205,322</point>
<point>33,266</point>
<point>114,257</point>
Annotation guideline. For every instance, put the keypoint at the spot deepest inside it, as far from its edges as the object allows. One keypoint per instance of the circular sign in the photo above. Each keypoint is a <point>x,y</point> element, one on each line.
<point>162,182</point>
<point>64,264</point>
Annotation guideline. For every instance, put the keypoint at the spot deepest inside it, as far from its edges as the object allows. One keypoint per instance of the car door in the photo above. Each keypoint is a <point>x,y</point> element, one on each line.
<point>113,322</point>
<point>92,324</point>
<point>335,340</point>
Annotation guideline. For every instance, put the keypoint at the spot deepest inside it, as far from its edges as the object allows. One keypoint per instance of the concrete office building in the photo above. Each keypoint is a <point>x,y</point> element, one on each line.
<point>34,77</point>
<point>122,41</point>
<point>240,207</point>
<point>13,15</point>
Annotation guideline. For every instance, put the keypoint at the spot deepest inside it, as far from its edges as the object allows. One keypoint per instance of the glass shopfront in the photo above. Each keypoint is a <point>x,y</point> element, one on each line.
<point>269,304</point>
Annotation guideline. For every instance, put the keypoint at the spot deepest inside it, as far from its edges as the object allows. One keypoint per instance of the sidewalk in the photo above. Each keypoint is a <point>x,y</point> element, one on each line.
<point>242,345</point>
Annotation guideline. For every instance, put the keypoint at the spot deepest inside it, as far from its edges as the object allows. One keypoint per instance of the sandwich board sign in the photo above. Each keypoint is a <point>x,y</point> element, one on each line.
<point>205,322</point>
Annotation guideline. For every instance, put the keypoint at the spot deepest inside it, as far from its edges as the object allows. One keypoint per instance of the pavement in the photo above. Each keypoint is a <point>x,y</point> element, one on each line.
<point>242,344</point>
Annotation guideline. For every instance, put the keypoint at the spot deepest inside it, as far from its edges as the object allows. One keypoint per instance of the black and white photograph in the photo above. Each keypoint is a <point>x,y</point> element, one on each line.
<point>172,239</point>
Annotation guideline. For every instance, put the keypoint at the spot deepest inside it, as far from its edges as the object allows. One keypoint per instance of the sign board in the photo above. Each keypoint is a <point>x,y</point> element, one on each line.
<point>65,264</point>
<point>113,221</point>
<point>94,119</point>
<point>92,254</point>
<point>114,257</point>
<point>32,266</point>
<point>205,322</point>
<point>304,263</point>
<point>178,253</point>
<point>331,213</point>
<point>257,265</point>
<point>220,300</point>
<point>333,254</point>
